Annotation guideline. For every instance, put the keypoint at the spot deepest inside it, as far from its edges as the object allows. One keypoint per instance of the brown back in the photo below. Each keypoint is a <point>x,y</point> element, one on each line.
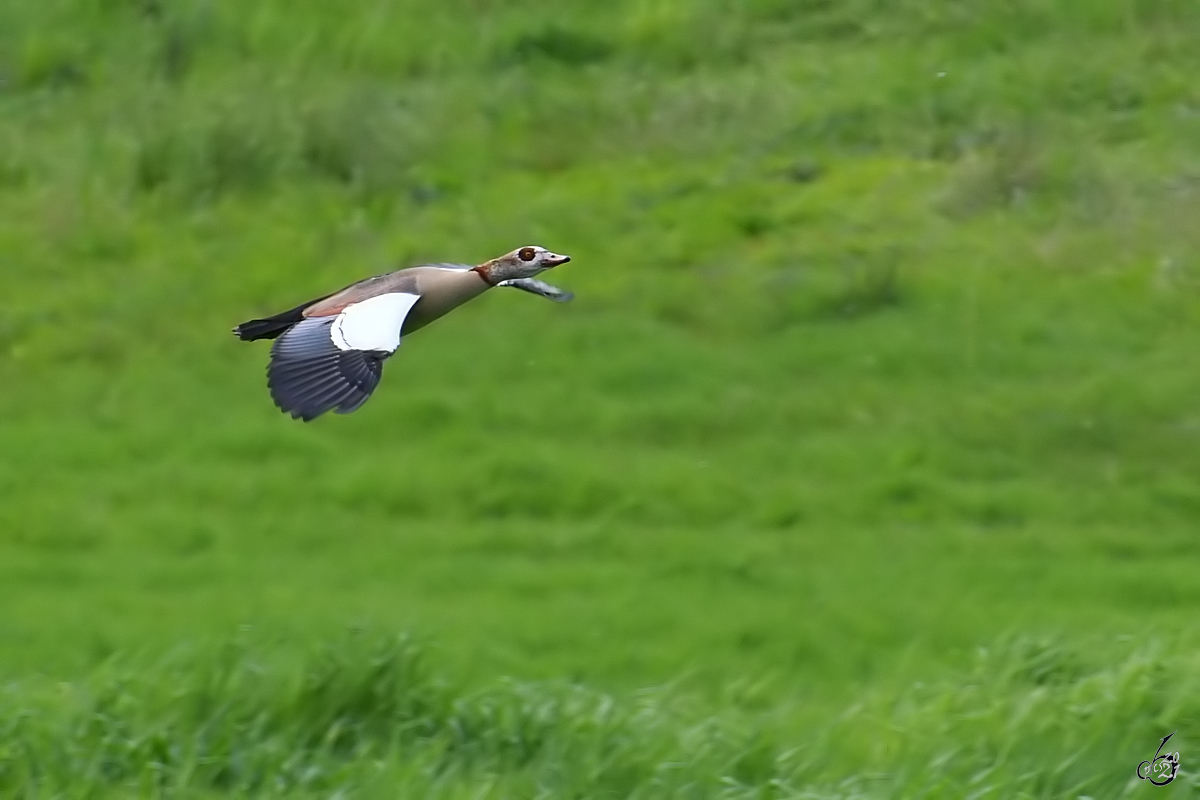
<point>441,287</point>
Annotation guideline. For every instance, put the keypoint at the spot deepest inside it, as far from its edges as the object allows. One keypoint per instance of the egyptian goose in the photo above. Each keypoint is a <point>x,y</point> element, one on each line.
<point>329,352</point>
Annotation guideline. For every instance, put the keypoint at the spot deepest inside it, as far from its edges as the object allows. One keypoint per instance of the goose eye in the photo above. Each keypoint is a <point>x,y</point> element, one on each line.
<point>526,253</point>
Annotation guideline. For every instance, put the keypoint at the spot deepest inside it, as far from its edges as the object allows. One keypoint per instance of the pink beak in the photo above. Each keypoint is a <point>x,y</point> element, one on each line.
<point>554,259</point>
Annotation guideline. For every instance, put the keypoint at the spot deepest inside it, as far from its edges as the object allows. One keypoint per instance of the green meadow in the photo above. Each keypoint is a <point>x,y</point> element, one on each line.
<point>865,463</point>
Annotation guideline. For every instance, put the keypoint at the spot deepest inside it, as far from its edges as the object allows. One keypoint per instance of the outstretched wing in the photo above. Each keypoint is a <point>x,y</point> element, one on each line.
<point>542,288</point>
<point>333,363</point>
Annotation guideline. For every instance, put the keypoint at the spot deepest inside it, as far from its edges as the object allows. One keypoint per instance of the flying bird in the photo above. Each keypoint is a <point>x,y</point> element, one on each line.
<point>328,353</point>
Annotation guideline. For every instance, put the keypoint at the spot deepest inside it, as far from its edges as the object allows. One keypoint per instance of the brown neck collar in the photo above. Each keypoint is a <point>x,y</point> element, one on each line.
<point>483,271</point>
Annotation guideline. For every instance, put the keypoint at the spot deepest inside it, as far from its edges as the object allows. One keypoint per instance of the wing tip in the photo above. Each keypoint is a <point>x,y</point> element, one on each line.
<point>307,388</point>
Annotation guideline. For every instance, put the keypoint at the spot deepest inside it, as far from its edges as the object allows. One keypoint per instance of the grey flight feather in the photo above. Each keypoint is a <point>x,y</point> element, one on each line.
<point>534,286</point>
<point>309,375</point>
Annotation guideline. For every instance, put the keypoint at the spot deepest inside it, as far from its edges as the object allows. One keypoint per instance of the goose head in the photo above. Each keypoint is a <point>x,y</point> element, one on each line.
<point>524,262</point>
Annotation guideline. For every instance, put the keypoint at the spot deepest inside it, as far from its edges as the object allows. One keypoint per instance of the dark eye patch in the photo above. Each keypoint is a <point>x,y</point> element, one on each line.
<point>526,253</point>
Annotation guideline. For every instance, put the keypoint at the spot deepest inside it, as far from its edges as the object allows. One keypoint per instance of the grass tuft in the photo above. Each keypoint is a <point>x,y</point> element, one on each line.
<point>1031,715</point>
<point>563,45</point>
<point>51,63</point>
<point>870,283</point>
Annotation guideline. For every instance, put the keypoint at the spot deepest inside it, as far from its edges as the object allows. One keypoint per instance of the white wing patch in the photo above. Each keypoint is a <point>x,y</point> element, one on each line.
<point>373,324</point>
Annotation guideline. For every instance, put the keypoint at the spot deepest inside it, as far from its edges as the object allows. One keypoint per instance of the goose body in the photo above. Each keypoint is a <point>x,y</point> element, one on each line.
<point>328,353</point>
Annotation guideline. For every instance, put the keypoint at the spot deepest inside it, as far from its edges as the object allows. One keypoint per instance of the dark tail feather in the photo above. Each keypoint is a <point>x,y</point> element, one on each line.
<point>271,327</point>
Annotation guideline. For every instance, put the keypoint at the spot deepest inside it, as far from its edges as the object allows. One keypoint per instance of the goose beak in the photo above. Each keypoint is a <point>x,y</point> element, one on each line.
<point>554,259</point>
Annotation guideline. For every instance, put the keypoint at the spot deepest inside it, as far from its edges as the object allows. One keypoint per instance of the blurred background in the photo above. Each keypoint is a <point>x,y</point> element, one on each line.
<point>864,463</point>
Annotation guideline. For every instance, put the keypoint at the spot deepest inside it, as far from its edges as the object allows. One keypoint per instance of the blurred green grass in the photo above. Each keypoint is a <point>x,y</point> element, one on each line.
<point>882,348</point>
<point>1032,719</point>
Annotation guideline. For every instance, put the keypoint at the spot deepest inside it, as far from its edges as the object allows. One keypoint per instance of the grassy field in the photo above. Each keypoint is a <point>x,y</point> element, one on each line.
<point>866,462</point>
